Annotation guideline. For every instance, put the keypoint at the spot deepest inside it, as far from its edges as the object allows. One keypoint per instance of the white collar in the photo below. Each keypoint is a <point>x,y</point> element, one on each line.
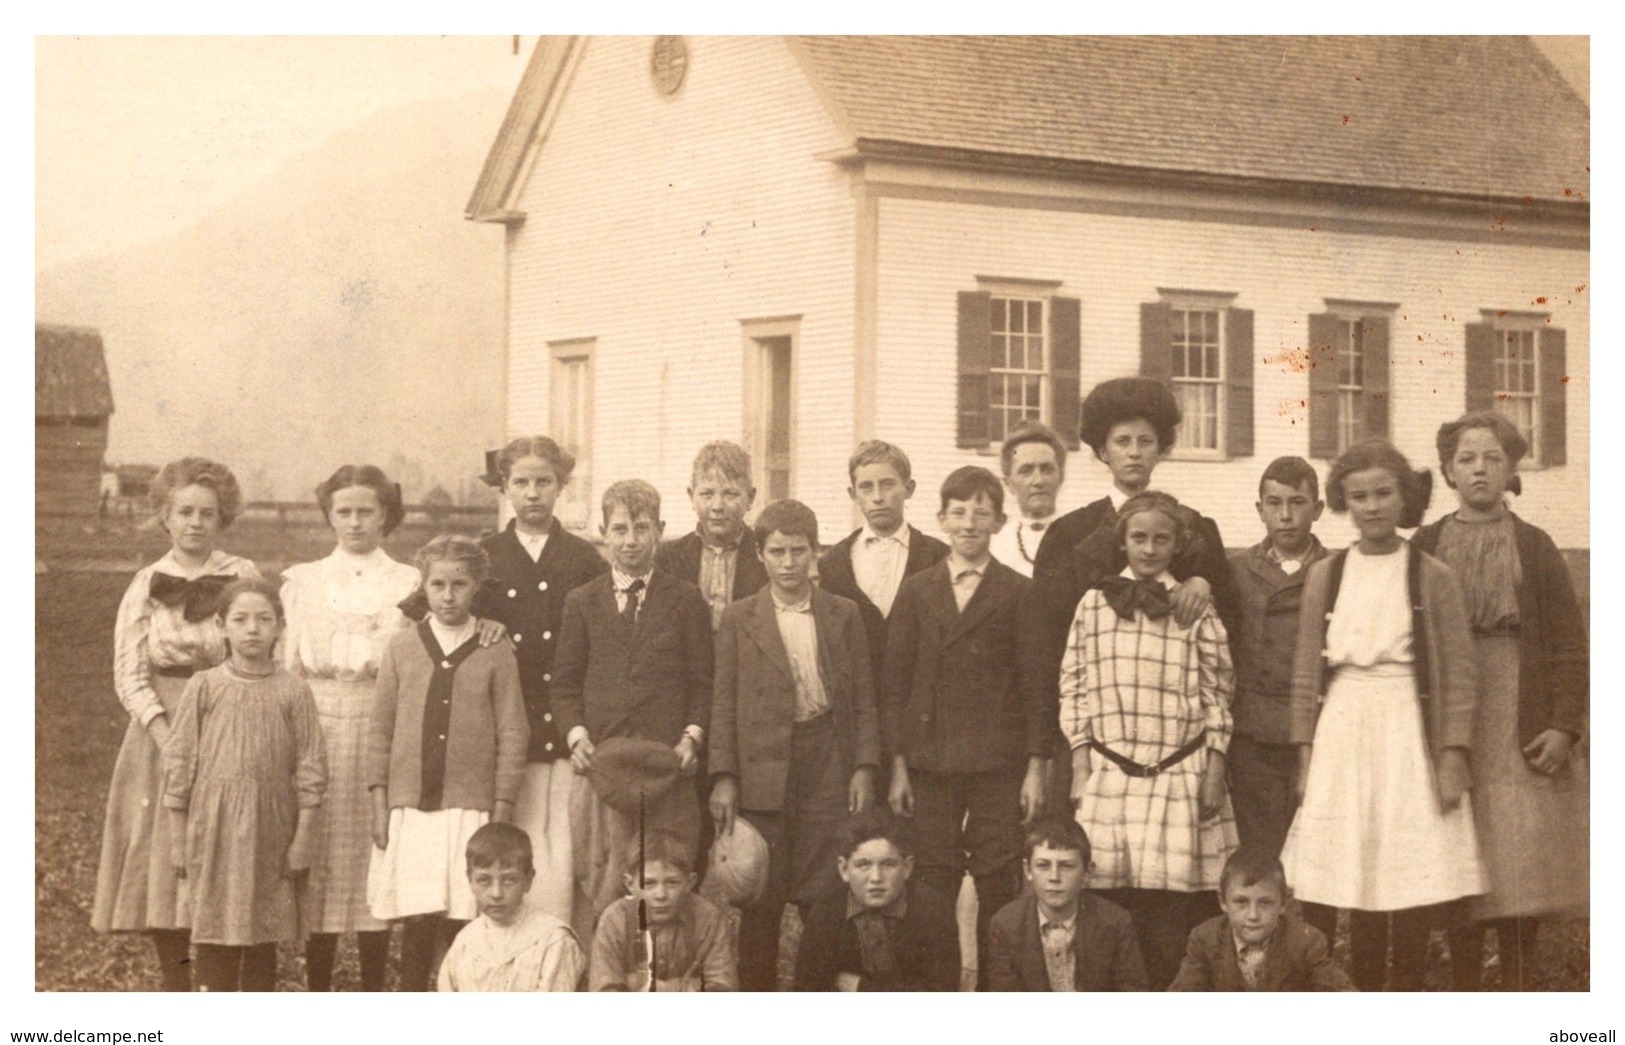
<point>348,562</point>
<point>1118,497</point>
<point>451,638</point>
<point>900,535</point>
<point>170,564</point>
<point>624,580</point>
<point>1165,577</point>
<point>957,566</point>
<point>1030,523</point>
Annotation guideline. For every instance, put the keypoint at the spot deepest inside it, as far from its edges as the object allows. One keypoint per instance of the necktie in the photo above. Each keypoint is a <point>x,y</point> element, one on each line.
<point>1250,959</point>
<point>1057,946</point>
<point>195,597</point>
<point>1126,595</point>
<point>629,612</point>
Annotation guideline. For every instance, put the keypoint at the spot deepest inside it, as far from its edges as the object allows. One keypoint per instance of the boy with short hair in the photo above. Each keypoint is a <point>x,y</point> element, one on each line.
<point>719,557</point>
<point>1254,945</point>
<point>967,741</point>
<point>879,933</point>
<point>693,948</point>
<point>510,945</point>
<point>795,732</point>
<point>634,655</point>
<point>1269,582</point>
<point>869,564</point>
<point>1032,460</point>
<point>1059,936</point>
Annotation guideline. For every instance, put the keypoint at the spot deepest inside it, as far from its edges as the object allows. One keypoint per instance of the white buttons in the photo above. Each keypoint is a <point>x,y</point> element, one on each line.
<point>547,747</point>
<point>547,636</point>
<point>547,716</point>
<point>542,586</point>
<point>547,677</point>
<point>517,638</point>
<point>442,736</point>
<point>513,593</point>
<point>445,663</point>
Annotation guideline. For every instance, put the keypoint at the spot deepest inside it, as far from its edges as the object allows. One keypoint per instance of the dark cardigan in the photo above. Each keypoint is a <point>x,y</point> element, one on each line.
<point>1554,687</point>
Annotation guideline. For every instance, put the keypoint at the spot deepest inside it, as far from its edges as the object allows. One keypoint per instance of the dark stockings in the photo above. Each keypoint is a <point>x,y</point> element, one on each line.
<point>223,968</point>
<point>321,952</point>
<point>424,942</point>
<point>174,949</point>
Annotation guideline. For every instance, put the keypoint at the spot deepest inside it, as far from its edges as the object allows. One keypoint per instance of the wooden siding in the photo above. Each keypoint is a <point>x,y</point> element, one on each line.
<point>68,466</point>
<point>929,251</point>
<point>657,225</point>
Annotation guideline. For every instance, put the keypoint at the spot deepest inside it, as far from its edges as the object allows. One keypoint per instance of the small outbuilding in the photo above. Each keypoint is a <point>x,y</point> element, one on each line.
<point>73,400</point>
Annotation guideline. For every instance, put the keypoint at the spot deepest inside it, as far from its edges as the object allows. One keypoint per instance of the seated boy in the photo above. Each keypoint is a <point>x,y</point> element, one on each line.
<point>968,742</point>
<point>1059,937</point>
<point>720,555</point>
<point>879,933</point>
<point>1254,945</point>
<point>795,738</point>
<point>693,949</point>
<point>509,946</point>
<point>634,660</point>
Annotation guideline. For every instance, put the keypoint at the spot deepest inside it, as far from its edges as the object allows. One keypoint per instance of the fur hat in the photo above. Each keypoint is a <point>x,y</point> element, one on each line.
<point>1126,399</point>
<point>737,872</point>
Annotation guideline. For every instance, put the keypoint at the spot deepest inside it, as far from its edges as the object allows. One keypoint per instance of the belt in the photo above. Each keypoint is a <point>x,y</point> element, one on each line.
<point>1133,768</point>
<point>182,672</point>
<point>1496,631</point>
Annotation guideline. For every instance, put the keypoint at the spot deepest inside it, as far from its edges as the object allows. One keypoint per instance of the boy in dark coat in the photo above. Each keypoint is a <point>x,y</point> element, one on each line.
<point>795,740</point>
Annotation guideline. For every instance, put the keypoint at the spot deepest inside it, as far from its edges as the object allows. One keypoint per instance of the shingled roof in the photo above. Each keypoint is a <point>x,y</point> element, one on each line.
<point>70,373</point>
<point>1483,116</point>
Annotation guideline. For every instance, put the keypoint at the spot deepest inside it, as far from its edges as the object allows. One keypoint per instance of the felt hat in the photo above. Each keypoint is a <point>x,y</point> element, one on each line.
<point>625,769</point>
<point>737,872</point>
<point>1126,399</point>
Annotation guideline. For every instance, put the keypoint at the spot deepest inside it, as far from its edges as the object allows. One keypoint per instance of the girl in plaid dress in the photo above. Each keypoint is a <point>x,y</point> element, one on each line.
<point>1145,705</point>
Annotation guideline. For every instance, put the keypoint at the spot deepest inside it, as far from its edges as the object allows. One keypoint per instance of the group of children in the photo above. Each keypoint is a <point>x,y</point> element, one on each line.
<point>1130,742</point>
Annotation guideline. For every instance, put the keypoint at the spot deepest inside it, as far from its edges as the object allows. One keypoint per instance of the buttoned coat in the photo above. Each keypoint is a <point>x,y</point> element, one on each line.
<point>1269,600</point>
<point>648,682</point>
<point>1106,953</point>
<point>835,575</point>
<point>752,713</point>
<point>952,699</point>
<point>681,558</point>
<point>527,596</point>
<point>1298,958</point>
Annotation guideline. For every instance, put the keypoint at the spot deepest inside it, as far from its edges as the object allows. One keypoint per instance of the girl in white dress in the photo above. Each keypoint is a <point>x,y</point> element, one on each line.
<point>1382,707</point>
<point>340,612</point>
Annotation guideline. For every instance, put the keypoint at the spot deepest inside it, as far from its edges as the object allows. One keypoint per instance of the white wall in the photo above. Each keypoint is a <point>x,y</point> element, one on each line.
<point>656,225</point>
<point>930,250</point>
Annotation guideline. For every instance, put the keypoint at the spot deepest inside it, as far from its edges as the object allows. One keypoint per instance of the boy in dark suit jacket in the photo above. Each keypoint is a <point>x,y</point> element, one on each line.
<point>879,933</point>
<point>966,739</point>
<point>634,657</point>
<point>869,565</point>
<point>1254,945</point>
<point>795,737</point>
<point>1060,937</point>
<point>719,557</point>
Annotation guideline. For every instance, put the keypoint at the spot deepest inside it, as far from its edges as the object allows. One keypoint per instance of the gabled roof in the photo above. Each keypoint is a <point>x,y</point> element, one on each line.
<point>1484,117</point>
<point>1469,116</point>
<point>70,373</point>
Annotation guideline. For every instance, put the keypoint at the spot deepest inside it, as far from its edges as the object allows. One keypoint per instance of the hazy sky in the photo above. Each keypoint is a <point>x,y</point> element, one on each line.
<point>140,137</point>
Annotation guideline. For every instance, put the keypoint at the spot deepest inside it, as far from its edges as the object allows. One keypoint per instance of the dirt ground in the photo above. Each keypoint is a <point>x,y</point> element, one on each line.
<point>78,728</point>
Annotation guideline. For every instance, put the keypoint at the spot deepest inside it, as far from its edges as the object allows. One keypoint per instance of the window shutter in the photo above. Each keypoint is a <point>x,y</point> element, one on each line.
<point>975,360</point>
<point>1156,340</point>
<point>1480,366</point>
<point>1238,380</point>
<point>1065,331</point>
<point>1374,344</point>
<point>1323,385</point>
<point>1553,388</point>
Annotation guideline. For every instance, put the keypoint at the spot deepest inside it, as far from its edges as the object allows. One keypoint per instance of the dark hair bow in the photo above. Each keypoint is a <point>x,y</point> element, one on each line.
<point>196,597</point>
<point>1125,595</point>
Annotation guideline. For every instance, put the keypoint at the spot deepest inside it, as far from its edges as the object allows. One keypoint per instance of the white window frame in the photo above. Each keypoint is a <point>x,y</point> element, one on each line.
<point>1219,303</point>
<point>756,333</point>
<point>1001,293</point>
<point>1520,325</point>
<point>1350,315</point>
<point>571,401</point>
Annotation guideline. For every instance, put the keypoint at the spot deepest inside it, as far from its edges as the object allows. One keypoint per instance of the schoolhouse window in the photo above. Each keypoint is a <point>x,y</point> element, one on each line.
<point>770,406</point>
<point>570,415</point>
<point>1018,360</point>
<point>1202,345</point>
<point>1516,366</point>
<point>1348,375</point>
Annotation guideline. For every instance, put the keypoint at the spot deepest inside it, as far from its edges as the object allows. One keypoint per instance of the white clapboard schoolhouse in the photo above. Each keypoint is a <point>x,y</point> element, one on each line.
<point>803,242</point>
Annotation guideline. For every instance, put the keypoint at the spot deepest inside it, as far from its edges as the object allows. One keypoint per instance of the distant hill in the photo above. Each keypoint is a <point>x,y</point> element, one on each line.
<point>340,311</point>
